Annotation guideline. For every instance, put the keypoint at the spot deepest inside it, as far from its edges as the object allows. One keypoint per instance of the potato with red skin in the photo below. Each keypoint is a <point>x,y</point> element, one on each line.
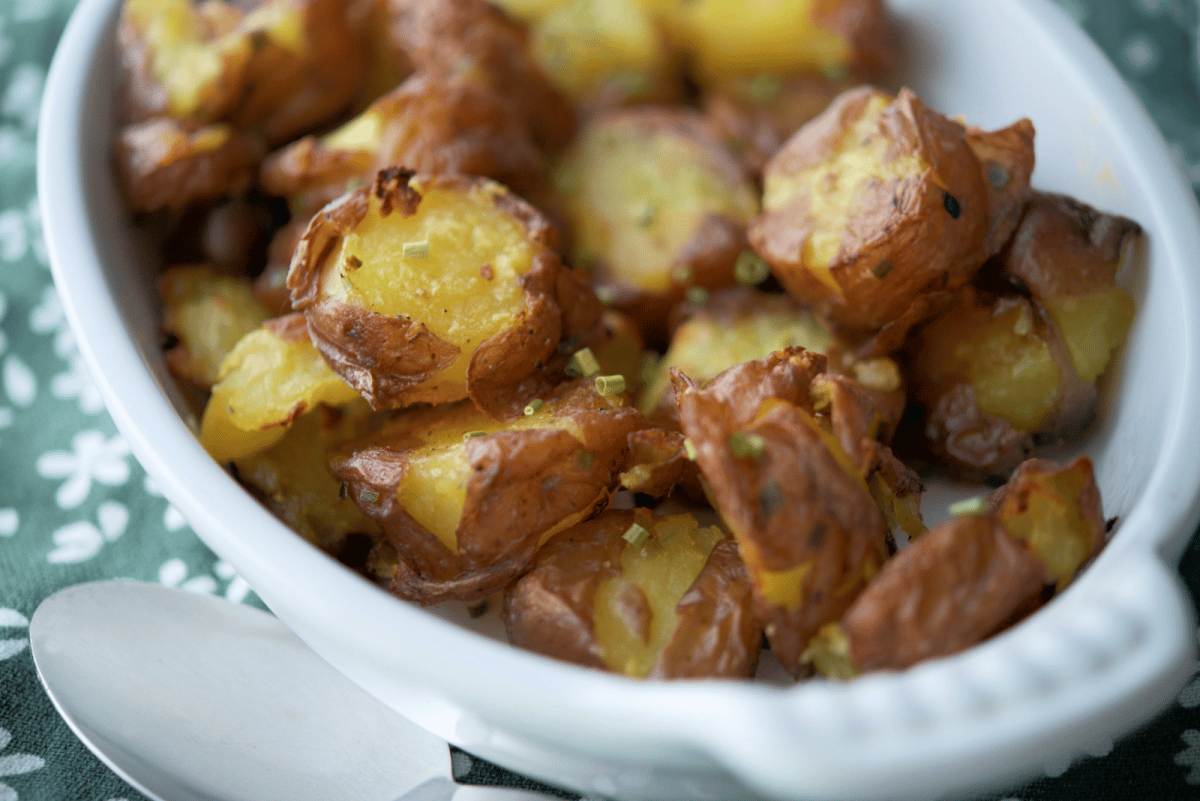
<point>790,484</point>
<point>676,605</point>
<point>436,288</point>
<point>970,576</point>
<point>465,501</point>
<point>473,37</point>
<point>166,164</point>
<point>431,123</point>
<point>1014,362</point>
<point>279,68</point>
<point>655,205</point>
<point>879,207</point>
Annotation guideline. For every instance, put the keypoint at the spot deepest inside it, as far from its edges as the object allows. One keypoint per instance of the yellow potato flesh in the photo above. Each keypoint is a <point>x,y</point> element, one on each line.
<point>293,476</point>
<point>434,489</point>
<point>662,569</point>
<point>1053,524</point>
<point>833,186</point>
<point>702,347</point>
<point>589,42</point>
<point>1008,365</point>
<point>264,380</point>
<point>638,199</point>
<point>530,10</point>
<point>188,67</point>
<point>361,134</point>
<point>446,289</point>
<point>210,314</point>
<point>733,37</point>
<point>829,653</point>
<point>1093,326</point>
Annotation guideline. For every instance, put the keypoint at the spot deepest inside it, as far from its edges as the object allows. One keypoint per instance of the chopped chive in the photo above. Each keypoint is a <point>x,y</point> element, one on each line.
<point>610,384</point>
<point>369,495</point>
<point>648,366</point>
<point>882,268</point>
<point>697,295</point>
<point>583,364</point>
<point>606,295</point>
<point>585,460</point>
<point>353,262</point>
<point>415,250</point>
<point>474,435</point>
<point>834,72</point>
<point>534,406</point>
<point>636,535</point>
<point>750,269</point>
<point>971,507</point>
<point>646,215</point>
<point>689,448</point>
<point>743,445</point>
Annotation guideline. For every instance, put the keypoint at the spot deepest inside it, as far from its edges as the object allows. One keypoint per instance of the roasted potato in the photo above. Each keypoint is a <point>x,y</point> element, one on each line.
<point>879,206</point>
<point>754,115</point>
<point>791,487</point>
<point>1015,364</point>
<point>205,314</point>
<point>292,478</point>
<point>965,578</point>
<point>607,53</point>
<point>474,37</point>
<point>271,377</point>
<point>656,205</point>
<point>281,68</point>
<point>431,123</point>
<point>166,164</point>
<point>741,324</point>
<point>646,596</point>
<point>727,38</point>
<point>433,289</point>
<point>465,501</point>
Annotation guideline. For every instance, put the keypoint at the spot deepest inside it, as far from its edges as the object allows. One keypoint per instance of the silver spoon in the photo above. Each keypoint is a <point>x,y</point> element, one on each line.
<point>191,698</point>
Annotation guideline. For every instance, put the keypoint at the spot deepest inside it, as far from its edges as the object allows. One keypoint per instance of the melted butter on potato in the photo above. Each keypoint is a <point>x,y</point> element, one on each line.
<point>266,382</point>
<point>862,157</point>
<point>447,289</point>
<point>655,573</point>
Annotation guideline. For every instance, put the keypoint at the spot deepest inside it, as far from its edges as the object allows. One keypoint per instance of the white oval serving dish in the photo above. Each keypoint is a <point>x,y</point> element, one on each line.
<point>1104,657</point>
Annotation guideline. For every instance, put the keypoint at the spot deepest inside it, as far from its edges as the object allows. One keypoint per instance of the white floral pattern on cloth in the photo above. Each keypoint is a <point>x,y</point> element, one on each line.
<point>14,765</point>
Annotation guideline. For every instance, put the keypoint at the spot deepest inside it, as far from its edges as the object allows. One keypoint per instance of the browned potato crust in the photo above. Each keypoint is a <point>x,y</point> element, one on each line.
<point>755,115</point>
<point>281,67</point>
<point>520,483</point>
<point>167,164</point>
<point>797,504</point>
<point>473,36</point>
<point>432,124</point>
<point>969,577</point>
<point>876,207</point>
<point>481,343</point>
<point>709,632</point>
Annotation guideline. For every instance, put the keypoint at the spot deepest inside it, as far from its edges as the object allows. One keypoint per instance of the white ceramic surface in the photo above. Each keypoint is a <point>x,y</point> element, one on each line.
<point>1105,656</point>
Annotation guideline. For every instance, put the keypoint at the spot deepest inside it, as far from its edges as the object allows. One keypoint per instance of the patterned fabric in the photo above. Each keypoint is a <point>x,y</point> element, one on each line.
<point>75,506</point>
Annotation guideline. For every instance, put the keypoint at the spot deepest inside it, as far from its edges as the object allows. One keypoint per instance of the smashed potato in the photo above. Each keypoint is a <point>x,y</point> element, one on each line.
<point>965,578</point>
<point>794,498</point>
<point>877,207</point>
<point>465,501</point>
<point>204,316</point>
<point>645,596</point>
<point>430,289</point>
<point>656,206</point>
<point>271,377</point>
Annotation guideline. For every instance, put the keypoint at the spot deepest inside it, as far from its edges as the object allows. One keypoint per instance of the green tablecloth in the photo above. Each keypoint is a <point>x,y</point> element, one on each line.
<point>75,506</point>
